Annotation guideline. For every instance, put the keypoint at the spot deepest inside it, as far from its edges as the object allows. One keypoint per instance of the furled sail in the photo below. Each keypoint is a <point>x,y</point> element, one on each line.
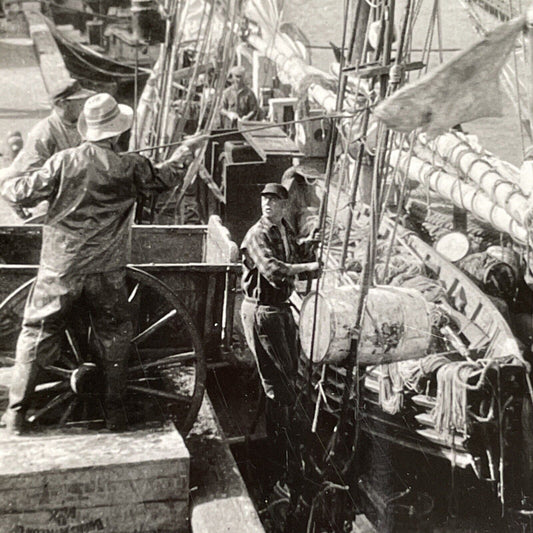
<point>462,194</point>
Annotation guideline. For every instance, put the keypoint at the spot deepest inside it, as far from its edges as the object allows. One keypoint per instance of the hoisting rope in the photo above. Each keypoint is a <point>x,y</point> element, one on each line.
<point>400,204</point>
<point>517,89</point>
<point>381,164</point>
<point>324,202</point>
<point>351,366</point>
<point>199,52</point>
<point>263,126</point>
<point>229,51</point>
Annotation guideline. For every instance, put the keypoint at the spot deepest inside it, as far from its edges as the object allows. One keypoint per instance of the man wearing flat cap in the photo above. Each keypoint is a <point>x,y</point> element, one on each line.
<point>272,258</point>
<point>238,100</point>
<point>54,133</point>
<point>92,190</point>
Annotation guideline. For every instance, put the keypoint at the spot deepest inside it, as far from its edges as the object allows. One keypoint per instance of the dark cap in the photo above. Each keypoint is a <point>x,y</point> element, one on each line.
<point>275,189</point>
<point>69,90</point>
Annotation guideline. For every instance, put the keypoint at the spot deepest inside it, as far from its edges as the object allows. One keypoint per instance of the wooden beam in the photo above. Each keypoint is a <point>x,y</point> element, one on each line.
<point>370,71</point>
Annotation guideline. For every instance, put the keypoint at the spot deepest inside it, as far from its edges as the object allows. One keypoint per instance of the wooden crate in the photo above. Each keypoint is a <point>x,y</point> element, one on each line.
<point>82,481</point>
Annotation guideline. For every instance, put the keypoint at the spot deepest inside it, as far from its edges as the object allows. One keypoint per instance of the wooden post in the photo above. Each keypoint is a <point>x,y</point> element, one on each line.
<point>529,26</point>
<point>358,36</point>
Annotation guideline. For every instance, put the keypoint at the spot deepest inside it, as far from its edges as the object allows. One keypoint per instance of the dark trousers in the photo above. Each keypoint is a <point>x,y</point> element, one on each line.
<point>43,327</point>
<point>272,337</point>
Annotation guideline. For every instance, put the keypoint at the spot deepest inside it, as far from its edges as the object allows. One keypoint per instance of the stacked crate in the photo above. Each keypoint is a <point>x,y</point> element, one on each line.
<point>81,481</point>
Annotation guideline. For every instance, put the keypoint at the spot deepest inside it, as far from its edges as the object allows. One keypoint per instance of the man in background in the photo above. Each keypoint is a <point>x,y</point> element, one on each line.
<point>238,100</point>
<point>52,134</point>
<point>56,132</point>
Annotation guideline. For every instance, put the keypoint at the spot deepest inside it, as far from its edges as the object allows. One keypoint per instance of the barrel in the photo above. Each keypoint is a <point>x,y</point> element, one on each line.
<point>395,327</point>
<point>453,246</point>
<point>496,276</point>
<point>505,255</point>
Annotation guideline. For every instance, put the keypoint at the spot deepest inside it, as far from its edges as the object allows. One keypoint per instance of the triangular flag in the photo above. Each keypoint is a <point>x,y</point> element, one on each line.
<point>463,89</point>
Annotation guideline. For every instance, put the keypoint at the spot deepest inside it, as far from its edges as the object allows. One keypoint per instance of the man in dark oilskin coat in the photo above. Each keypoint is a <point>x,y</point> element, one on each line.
<point>92,191</point>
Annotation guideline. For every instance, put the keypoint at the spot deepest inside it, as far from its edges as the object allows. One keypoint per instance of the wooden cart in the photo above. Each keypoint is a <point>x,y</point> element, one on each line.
<point>182,284</point>
<point>181,290</point>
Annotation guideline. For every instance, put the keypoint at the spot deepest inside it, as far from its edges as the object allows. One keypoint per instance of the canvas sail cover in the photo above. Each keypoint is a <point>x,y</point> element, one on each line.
<point>463,89</point>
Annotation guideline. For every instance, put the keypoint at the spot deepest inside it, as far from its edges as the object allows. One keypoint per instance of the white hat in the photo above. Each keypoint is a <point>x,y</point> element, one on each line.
<point>238,71</point>
<point>102,118</point>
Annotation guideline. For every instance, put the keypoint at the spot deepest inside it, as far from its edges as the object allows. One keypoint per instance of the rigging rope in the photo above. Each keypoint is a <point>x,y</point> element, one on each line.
<point>264,126</point>
<point>324,202</point>
<point>190,91</point>
<point>517,88</point>
<point>229,50</point>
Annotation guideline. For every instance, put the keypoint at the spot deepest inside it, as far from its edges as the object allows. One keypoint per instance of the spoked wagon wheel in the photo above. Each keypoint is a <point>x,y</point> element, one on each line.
<point>166,368</point>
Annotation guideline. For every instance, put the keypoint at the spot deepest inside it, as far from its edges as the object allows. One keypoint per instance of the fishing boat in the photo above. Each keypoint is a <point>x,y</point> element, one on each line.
<point>106,47</point>
<point>415,389</point>
<point>87,63</point>
<point>385,402</point>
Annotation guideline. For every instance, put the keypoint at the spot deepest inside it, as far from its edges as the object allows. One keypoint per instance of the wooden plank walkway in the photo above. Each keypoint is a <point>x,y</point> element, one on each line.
<point>220,502</point>
<point>23,99</point>
<point>53,70</point>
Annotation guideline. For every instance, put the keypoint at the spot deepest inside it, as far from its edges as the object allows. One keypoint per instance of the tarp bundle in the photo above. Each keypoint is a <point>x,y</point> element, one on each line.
<point>461,90</point>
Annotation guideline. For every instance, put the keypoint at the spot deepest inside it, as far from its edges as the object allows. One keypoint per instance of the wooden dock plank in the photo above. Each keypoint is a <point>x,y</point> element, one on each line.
<point>220,502</point>
<point>53,69</point>
<point>160,517</point>
<point>84,448</point>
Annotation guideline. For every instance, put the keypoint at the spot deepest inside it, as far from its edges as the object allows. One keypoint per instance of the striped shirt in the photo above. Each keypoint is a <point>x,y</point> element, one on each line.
<point>266,264</point>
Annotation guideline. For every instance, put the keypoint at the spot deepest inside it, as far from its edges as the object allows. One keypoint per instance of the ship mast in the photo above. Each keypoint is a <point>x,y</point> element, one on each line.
<point>388,82</point>
<point>529,25</point>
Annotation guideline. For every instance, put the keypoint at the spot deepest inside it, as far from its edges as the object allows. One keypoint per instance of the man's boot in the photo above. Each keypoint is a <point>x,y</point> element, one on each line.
<point>23,381</point>
<point>116,419</point>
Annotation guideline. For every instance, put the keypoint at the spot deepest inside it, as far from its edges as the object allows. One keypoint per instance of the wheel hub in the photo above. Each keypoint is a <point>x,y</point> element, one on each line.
<point>84,379</point>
